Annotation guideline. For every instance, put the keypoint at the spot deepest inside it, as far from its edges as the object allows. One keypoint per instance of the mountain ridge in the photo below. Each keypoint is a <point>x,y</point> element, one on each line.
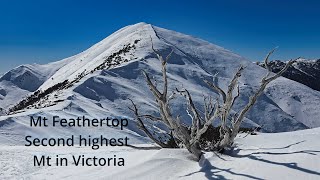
<point>305,71</point>
<point>102,78</point>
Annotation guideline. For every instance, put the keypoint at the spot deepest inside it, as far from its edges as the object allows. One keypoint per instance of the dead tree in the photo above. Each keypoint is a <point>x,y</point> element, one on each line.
<point>214,110</point>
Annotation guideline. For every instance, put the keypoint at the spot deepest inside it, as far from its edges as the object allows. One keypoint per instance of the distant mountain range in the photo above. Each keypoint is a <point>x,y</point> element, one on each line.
<point>305,71</point>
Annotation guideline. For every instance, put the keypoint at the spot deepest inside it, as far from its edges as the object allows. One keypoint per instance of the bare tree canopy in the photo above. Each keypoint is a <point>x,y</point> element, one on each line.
<point>214,110</point>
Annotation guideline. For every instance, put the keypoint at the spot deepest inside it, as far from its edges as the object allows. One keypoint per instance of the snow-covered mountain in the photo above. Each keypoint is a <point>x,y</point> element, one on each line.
<point>24,79</point>
<point>99,81</point>
<point>305,71</point>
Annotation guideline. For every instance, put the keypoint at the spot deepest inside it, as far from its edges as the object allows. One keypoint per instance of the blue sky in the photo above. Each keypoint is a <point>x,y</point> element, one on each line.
<point>38,31</point>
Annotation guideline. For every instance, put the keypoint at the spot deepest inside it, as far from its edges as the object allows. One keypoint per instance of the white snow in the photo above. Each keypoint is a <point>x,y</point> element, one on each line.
<point>292,155</point>
<point>22,80</point>
<point>193,60</point>
<point>105,93</point>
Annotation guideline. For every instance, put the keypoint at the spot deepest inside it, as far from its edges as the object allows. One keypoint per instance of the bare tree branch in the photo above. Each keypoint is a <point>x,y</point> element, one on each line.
<point>143,128</point>
<point>152,87</point>
<point>197,118</point>
<point>266,60</point>
<point>202,120</point>
<point>169,55</point>
<point>148,116</point>
<point>206,125</point>
<point>264,83</point>
<point>238,94</point>
<point>216,89</point>
<point>164,70</point>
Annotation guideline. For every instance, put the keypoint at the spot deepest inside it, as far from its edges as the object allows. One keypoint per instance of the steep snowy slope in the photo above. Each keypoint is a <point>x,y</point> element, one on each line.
<point>100,79</point>
<point>97,54</point>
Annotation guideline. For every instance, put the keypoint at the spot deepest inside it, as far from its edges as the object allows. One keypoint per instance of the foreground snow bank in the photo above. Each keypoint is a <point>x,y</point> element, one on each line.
<point>292,155</point>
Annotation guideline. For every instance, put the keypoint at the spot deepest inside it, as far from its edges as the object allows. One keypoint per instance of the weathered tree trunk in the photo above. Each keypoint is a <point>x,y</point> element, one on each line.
<point>190,138</point>
<point>230,135</point>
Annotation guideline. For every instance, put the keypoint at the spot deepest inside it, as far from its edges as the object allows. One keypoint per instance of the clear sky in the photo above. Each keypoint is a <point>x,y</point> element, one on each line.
<point>39,31</point>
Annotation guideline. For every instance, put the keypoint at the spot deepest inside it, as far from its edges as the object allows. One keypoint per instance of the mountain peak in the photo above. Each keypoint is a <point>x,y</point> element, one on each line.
<point>105,75</point>
<point>140,24</point>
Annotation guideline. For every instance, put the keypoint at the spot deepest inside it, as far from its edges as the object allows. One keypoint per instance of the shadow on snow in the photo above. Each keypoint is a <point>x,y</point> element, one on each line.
<point>211,172</point>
